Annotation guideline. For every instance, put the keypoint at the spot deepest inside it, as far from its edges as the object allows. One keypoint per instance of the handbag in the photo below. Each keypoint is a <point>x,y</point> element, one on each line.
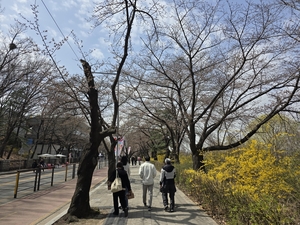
<point>116,185</point>
<point>130,195</point>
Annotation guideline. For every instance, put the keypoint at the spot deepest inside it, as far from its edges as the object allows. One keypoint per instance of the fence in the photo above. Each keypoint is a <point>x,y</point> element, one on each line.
<point>8,165</point>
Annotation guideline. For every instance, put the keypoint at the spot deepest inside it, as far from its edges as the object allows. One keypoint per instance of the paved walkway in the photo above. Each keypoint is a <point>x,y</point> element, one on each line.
<point>45,207</point>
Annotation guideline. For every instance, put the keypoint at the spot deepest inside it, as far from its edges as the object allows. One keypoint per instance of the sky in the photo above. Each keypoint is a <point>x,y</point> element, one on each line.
<point>59,18</point>
<point>69,15</point>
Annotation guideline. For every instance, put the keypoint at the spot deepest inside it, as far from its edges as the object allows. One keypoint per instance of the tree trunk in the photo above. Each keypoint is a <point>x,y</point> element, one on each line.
<point>196,156</point>
<point>80,204</point>
<point>198,161</point>
<point>167,154</point>
<point>176,158</point>
<point>5,141</point>
<point>111,157</point>
<point>176,150</point>
<point>2,147</point>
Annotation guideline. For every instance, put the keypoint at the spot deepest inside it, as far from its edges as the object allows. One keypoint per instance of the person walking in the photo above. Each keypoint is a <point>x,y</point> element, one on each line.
<point>167,184</point>
<point>133,160</point>
<point>42,164</point>
<point>34,165</point>
<point>126,167</point>
<point>147,172</point>
<point>120,195</point>
<point>139,160</point>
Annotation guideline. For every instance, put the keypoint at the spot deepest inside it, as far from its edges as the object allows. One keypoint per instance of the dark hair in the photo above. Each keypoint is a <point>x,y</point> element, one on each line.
<point>119,165</point>
<point>147,158</point>
<point>124,160</point>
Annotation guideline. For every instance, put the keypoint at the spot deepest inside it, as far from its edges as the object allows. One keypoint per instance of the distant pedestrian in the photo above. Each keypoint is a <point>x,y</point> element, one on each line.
<point>34,165</point>
<point>120,195</point>
<point>139,160</point>
<point>101,156</point>
<point>167,184</point>
<point>133,159</point>
<point>147,172</point>
<point>42,164</point>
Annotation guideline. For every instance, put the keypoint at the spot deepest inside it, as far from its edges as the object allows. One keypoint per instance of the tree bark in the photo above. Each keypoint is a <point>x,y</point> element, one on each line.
<point>80,204</point>
<point>197,162</point>
<point>111,156</point>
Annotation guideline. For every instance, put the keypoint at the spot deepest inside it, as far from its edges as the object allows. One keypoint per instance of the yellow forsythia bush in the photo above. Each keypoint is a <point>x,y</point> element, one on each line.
<point>250,185</point>
<point>254,170</point>
<point>160,159</point>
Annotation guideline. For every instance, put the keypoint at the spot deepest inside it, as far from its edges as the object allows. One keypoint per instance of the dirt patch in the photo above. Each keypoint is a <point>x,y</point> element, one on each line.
<point>94,219</point>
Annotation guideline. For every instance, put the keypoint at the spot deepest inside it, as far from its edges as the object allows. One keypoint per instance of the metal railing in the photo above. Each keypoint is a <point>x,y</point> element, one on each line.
<point>43,176</point>
<point>27,181</point>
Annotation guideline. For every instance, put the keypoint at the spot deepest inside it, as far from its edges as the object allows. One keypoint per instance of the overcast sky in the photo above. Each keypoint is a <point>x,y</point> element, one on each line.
<point>69,15</point>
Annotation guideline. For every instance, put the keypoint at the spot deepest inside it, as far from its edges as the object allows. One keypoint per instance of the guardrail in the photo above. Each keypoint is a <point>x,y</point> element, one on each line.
<point>11,165</point>
<point>27,181</point>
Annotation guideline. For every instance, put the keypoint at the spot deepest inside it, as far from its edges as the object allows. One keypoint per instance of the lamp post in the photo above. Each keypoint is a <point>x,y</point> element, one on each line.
<point>118,123</point>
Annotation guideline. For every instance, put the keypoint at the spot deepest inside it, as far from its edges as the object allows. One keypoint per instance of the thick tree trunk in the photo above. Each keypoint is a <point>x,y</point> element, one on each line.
<point>197,161</point>
<point>176,158</point>
<point>175,151</point>
<point>111,157</point>
<point>196,156</point>
<point>80,204</point>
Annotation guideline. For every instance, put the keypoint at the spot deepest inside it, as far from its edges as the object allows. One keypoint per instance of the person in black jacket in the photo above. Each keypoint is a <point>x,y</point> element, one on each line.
<point>34,165</point>
<point>167,184</point>
<point>121,195</point>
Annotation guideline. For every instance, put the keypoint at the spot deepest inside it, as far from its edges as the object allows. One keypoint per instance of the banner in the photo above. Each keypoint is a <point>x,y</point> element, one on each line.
<point>129,148</point>
<point>119,146</point>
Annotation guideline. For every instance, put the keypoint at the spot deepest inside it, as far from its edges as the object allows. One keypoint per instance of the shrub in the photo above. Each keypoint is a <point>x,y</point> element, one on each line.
<point>250,185</point>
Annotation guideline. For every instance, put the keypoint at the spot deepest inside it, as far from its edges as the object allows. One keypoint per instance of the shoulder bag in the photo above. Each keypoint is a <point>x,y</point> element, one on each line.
<point>116,185</point>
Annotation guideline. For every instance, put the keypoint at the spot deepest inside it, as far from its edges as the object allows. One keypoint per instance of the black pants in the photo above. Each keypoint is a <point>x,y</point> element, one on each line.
<point>116,196</point>
<point>172,199</point>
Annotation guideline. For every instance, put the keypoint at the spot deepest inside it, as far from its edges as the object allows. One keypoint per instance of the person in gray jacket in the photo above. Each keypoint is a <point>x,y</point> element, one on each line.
<point>147,172</point>
<point>167,184</point>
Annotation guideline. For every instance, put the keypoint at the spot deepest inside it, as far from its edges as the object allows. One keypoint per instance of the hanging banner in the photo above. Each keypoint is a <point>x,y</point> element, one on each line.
<point>129,148</point>
<point>119,146</point>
